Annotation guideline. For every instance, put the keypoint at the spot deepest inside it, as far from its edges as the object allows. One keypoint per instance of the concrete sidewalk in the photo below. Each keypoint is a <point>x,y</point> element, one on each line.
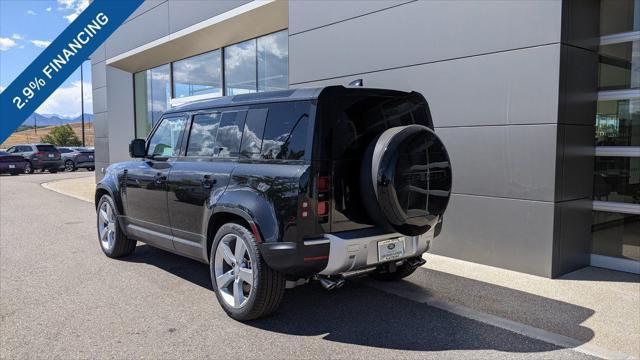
<point>597,310</point>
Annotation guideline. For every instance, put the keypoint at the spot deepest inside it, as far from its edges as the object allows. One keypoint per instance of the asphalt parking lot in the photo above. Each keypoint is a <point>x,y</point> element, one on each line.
<point>60,297</point>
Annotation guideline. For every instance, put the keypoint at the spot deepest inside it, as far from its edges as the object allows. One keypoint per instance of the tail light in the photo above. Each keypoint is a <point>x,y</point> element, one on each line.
<point>323,186</point>
<point>39,154</point>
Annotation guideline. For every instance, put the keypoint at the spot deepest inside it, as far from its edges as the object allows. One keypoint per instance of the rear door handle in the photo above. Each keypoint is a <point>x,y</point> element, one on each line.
<point>208,182</point>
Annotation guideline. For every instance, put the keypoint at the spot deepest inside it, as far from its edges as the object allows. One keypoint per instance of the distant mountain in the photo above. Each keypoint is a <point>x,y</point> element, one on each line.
<point>53,119</point>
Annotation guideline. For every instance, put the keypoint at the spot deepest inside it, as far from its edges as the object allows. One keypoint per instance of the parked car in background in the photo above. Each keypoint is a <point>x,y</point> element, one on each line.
<point>77,157</point>
<point>11,164</point>
<point>38,157</point>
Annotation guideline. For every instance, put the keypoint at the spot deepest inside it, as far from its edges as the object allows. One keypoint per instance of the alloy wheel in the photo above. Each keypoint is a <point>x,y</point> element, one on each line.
<point>68,166</point>
<point>233,270</point>
<point>27,168</point>
<point>107,226</point>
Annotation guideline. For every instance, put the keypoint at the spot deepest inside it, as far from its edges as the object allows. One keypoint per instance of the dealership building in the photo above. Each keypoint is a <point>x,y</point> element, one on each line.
<point>538,103</point>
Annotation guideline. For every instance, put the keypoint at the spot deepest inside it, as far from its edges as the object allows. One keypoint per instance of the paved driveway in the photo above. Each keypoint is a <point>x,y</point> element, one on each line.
<point>60,297</point>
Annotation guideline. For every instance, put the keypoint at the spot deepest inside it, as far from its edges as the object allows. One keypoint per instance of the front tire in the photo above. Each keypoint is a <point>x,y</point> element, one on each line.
<point>53,170</point>
<point>112,239</point>
<point>246,287</point>
<point>28,168</point>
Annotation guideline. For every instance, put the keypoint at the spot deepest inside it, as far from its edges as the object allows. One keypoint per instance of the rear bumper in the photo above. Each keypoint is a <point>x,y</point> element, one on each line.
<point>351,251</point>
<point>5,167</point>
<point>337,253</point>
<point>85,164</point>
<point>46,164</point>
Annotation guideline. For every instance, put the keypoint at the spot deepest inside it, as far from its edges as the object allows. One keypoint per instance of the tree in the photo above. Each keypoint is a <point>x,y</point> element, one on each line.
<point>62,135</point>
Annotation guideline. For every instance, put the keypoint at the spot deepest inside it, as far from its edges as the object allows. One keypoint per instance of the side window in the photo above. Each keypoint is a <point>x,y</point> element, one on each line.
<point>230,134</point>
<point>202,139</point>
<point>24,148</point>
<point>12,150</point>
<point>285,134</point>
<point>252,135</point>
<point>165,141</point>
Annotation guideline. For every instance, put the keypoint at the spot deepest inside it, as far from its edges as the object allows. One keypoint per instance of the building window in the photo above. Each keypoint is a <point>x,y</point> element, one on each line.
<point>273,62</point>
<point>198,75</point>
<point>240,68</point>
<point>152,95</point>
<point>260,64</point>
<point>616,185</point>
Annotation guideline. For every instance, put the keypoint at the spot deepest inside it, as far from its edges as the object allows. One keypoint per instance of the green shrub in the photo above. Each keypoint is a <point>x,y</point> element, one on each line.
<point>62,135</point>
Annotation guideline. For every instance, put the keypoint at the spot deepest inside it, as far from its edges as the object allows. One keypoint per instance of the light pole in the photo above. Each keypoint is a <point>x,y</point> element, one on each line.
<point>82,102</point>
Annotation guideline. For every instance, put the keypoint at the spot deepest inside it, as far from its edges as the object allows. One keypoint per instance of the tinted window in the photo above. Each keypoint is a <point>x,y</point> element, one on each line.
<point>64,150</point>
<point>24,148</point>
<point>202,139</point>
<point>285,134</point>
<point>230,134</point>
<point>166,140</point>
<point>46,148</point>
<point>252,135</point>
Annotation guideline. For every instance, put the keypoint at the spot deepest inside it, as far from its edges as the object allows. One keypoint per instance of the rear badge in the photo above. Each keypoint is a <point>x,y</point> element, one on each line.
<point>391,246</point>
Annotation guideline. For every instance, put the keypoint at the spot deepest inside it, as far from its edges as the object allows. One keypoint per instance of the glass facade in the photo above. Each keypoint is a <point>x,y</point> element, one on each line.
<point>260,64</point>
<point>616,182</point>
<point>198,75</point>
<point>152,91</point>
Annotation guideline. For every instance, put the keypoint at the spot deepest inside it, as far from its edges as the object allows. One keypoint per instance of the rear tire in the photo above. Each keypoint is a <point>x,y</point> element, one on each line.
<point>401,272</point>
<point>15,173</point>
<point>91,168</point>
<point>53,170</point>
<point>28,168</point>
<point>69,166</point>
<point>232,263</point>
<point>111,238</point>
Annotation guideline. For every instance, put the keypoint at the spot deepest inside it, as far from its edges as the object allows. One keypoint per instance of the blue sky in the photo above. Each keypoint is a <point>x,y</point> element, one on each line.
<point>26,28</point>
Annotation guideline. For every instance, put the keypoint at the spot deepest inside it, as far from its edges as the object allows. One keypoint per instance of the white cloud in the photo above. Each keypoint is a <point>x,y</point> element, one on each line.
<point>76,5</point>
<point>31,12</point>
<point>49,9</point>
<point>41,43</point>
<point>1,88</point>
<point>65,101</point>
<point>6,44</point>
<point>17,37</point>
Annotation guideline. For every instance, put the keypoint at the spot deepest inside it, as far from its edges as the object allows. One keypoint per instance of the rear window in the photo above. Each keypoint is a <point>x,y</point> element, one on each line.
<point>46,148</point>
<point>285,133</point>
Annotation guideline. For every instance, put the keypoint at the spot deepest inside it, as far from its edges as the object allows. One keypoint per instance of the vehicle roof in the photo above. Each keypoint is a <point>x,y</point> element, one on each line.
<point>36,144</point>
<point>271,96</point>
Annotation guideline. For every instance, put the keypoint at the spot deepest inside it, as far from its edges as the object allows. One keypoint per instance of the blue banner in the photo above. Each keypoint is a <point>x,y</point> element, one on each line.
<point>59,60</point>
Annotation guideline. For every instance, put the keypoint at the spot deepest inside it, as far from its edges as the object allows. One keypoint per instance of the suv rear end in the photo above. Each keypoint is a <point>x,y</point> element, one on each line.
<point>45,157</point>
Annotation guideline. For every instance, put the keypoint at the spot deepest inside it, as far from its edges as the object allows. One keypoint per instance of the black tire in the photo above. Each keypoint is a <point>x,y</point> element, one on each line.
<point>53,170</point>
<point>69,166</point>
<point>122,245</point>
<point>90,168</point>
<point>401,272</point>
<point>268,285</point>
<point>28,168</point>
<point>15,173</point>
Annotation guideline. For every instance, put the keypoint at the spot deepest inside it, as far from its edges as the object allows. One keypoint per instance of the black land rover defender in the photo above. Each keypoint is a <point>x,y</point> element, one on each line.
<point>273,189</point>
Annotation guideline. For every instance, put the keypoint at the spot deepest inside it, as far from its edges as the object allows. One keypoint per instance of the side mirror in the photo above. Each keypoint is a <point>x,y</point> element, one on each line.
<point>137,148</point>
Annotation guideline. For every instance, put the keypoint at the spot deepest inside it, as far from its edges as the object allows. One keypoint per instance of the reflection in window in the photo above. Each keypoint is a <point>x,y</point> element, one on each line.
<point>285,134</point>
<point>252,135</point>
<point>616,235</point>
<point>165,141</point>
<point>198,75</point>
<point>230,134</point>
<point>617,179</point>
<point>273,62</point>
<point>618,16</point>
<point>618,123</point>
<point>152,95</point>
<point>619,66</point>
<point>240,68</point>
<point>202,139</point>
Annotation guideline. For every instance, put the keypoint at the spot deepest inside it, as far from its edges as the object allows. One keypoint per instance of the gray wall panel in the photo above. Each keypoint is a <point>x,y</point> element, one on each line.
<point>144,7</point>
<point>305,15</point>
<point>100,127</point>
<point>102,149</point>
<point>512,234</point>
<point>98,75</point>
<point>578,86</point>
<point>143,29</point>
<point>99,100</point>
<point>514,87</point>
<point>120,118</point>
<point>99,55</point>
<point>503,161</point>
<point>420,32</point>
<point>576,147</point>
<point>572,243</point>
<point>184,13</point>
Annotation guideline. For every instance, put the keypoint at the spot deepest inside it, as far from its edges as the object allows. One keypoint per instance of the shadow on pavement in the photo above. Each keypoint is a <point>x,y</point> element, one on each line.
<point>361,315</point>
<point>599,274</point>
